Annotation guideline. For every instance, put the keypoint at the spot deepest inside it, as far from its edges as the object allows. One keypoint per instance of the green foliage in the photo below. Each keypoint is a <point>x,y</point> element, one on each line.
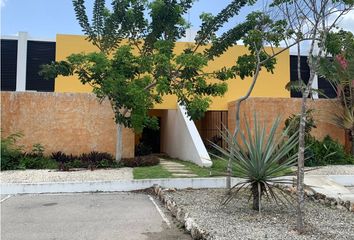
<point>260,158</point>
<point>317,153</point>
<point>108,28</point>
<point>13,157</point>
<point>10,152</point>
<point>62,159</point>
<point>292,123</point>
<point>211,24</point>
<point>258,30</point>
<point>339,70</point>
<point>152,172</point>
<point>95,160</point>
<point>32,162</point>
<point>133,82</point>
<point>326,152</point>
<point>339,42</point>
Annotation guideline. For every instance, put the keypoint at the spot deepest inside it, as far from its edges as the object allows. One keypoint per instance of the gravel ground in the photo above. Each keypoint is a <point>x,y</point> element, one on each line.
<point>331,170</point>
<point>237,221</point>
<point>35,176</point>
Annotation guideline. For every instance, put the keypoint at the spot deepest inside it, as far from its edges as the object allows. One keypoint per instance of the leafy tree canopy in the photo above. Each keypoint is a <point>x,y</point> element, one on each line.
<point>136,64</point>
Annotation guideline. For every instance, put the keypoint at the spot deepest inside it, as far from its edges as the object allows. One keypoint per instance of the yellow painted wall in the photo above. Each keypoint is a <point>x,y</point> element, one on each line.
<point>268,85</point>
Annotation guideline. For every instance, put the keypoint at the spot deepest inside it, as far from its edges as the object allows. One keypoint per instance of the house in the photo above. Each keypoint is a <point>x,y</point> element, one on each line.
<point>63,115</point>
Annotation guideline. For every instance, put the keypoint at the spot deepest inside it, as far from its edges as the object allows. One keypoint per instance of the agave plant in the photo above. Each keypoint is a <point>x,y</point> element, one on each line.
<point>261,160</point>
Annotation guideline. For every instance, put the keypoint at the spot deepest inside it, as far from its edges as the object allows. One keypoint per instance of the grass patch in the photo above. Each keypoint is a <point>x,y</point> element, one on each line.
<point>217,169</point>
<point>151,172</point>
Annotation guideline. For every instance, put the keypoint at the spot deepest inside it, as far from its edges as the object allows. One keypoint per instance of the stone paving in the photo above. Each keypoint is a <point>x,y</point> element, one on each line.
<point>177,169</point>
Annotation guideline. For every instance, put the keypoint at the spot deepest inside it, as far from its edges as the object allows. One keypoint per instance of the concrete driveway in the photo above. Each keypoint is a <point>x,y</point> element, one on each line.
<point>95,216</point>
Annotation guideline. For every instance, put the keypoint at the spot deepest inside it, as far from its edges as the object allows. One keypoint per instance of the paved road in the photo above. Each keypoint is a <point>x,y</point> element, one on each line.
<point>95,216</point>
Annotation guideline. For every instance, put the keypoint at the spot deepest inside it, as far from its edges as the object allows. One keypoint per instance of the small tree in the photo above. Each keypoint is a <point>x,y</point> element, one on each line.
<point>339,71</point>
<point>137,64</point>
<point>309,19</point>
<point>299,21</point>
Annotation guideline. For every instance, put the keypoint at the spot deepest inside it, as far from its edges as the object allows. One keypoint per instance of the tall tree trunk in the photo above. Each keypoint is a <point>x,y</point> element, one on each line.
<point>119,142</point>
<point>237,119</point>
<point>300,168</point>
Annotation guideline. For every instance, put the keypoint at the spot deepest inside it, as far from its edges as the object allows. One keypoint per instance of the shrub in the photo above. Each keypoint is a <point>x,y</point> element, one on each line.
<point>30,162</point>
<point>75,162</point>
<point>326,152</point>
<point>141,161</point>
<point>10,153</point>
<point>62,159</point>
<point>260,158</point>
<point>95,160</point>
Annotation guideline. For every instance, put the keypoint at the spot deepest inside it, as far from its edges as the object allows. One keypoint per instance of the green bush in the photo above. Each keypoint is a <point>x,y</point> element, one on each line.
<point>326,152</point>
<point>95,160</point>
<point>36,159</point>
<point>63,160</point>
<point>11,153</point>
<point>28,162</point>
<point>13,158</point>
<point>318,153</point>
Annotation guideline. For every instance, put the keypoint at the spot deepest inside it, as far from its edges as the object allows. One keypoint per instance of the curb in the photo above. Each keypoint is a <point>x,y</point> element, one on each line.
<point>338,203</point>
<point>112,186</point>
<point>182,217</point>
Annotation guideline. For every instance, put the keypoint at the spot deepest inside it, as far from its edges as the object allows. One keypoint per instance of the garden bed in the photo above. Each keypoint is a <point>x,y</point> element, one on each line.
<point>207,219</point>
<point>82,175</point>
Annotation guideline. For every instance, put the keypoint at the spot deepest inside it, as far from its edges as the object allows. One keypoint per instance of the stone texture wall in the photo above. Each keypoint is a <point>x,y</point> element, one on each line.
<point>268,109</point>
<point>69,122</point>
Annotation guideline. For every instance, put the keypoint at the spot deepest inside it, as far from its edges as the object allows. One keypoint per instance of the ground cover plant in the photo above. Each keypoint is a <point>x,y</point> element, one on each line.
<point>326,152</point>
<point>10,152</point>
<point>151,172</point>
<point>218,169</point>
<point>13,157</point>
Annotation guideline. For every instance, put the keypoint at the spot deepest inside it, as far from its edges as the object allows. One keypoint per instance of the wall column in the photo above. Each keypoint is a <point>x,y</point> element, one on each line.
<point>21,61</point>
<point>314,86</point>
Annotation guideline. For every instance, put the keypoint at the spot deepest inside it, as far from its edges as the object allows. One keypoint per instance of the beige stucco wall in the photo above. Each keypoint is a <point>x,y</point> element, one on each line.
<point>268,109</point>
<point>70,122</point>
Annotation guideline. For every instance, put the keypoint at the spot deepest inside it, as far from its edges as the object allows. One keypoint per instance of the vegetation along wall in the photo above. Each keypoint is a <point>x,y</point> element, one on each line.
<point>70,122</point>
<point>267,110</point>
